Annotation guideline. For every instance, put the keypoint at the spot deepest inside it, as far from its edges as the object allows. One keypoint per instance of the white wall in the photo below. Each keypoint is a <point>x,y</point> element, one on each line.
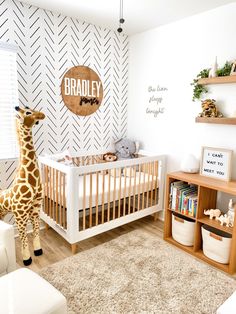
<point>171,56</point>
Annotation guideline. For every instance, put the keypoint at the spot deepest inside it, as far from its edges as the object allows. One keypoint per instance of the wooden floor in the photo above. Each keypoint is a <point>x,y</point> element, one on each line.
<point>56,248</point>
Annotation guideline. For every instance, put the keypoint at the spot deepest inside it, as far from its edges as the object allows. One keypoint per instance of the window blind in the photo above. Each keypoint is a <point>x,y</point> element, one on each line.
<point>8,101</point>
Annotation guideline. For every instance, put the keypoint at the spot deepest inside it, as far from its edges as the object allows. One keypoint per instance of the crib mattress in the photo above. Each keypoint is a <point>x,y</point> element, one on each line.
<point>91,194</point>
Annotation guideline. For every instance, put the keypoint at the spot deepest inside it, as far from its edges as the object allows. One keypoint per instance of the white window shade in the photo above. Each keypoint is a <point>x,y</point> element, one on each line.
<point>8,101</point>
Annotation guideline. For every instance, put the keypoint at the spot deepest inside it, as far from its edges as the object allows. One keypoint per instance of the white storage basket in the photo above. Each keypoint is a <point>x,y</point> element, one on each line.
<point>216,244</point>
<point>182,229</point>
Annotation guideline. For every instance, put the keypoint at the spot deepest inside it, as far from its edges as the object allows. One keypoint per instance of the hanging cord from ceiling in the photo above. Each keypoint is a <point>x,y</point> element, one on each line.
<point>121,19</point>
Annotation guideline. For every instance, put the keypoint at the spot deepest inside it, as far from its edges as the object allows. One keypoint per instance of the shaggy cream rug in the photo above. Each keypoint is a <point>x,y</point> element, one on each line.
<point>138,273</point>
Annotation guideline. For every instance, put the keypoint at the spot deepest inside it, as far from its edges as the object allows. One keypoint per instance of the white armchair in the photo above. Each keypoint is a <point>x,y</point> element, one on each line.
<point>7,248</point>
<point>22,291</point>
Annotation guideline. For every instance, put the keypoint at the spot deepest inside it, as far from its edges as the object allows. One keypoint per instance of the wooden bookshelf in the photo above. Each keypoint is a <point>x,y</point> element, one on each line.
<point>217,80</point>
<point>207,196</point>
<point>231,121</point>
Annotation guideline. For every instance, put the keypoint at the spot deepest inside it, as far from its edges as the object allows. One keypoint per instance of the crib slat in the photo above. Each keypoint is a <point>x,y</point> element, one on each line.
<point>139,187</point>
<point>114,195</point>
<point>157,169</point>
<point>64,201</point>
<point>84,202</point>
<point>124,192</point>
<point>97,193</point>
<point>90,201</point>
<point>134,190</point>
<point>50,192</point>
<point>119,198</point>
<point>143,184</point>
<point>131,170</point>
<point>156,174</point>
<point>148,184</point>
<point>152,183</point>
<point>103,192</point>
<point>46,189</point>
<point>56,190</point>
<point>60,198</point>
<point>53,193</point>
<point>109,195</point>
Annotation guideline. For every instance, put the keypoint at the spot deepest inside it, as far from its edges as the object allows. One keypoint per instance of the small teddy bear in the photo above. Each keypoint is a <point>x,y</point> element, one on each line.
<point>125,149</point>
<point>108,157</point>
<point>209,109</point>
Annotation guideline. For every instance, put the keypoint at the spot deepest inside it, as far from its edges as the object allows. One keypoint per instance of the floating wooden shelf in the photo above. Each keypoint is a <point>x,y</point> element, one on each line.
<point>207,197</point>
<point>218,80</point>
<point>231,121</point>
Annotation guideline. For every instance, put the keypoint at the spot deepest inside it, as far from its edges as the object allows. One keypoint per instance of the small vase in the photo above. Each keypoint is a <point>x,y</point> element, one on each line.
<point>213,70</point>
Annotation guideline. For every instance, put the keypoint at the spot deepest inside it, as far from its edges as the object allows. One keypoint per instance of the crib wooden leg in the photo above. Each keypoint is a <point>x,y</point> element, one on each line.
<point>74,248</point>
<point>46,226</point>
<point>155,216</point>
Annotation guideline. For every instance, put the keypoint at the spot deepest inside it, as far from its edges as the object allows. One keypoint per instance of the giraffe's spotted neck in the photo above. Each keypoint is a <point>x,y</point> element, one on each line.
<point>25,139</point>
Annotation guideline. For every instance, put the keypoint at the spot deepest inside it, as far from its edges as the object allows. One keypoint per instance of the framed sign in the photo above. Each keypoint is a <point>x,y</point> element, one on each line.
<point>82,90</point>
<point>216,163</point>
<point>233,69</point>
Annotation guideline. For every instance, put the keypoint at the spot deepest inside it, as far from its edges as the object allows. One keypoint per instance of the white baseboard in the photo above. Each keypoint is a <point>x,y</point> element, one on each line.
<point>161,215</point>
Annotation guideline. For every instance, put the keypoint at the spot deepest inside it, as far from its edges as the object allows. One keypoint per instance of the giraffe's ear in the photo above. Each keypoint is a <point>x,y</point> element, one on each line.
<point>19,118</point>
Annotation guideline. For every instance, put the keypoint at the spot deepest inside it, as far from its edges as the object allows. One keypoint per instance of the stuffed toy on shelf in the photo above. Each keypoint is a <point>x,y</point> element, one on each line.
<point>212,213</point>
<point>209,109</point>
<point>24,198</point>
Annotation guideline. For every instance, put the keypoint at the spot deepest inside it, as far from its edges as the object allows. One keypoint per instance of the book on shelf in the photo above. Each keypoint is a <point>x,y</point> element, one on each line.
<point>183,198</point>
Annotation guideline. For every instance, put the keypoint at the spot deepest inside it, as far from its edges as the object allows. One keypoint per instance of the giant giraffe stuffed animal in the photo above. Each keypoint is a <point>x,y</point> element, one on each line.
<point>24,198</point>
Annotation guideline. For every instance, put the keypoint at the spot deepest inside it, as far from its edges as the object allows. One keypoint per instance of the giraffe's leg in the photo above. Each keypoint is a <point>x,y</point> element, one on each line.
<point>35,219</point>
<point>21,225</point>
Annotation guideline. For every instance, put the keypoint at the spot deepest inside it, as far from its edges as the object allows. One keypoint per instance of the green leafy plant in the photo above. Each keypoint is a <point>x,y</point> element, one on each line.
<point>225,70</point>
<point>199,89</point>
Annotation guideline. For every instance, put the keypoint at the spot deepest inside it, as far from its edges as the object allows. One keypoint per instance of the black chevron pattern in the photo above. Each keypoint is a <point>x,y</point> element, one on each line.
<point>49,44</point>
<point>4,21</point>
<point>35,69</point>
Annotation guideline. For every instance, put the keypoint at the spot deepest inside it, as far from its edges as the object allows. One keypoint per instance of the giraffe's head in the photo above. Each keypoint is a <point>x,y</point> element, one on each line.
<point>28,117</point>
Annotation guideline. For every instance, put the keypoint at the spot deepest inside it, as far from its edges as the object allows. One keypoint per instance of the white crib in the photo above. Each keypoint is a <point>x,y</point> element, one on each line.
<point>91,196</point>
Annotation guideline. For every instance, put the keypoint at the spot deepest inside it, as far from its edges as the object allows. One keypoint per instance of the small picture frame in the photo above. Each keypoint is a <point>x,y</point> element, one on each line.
<point>216,163</point>
<point>233,69</point>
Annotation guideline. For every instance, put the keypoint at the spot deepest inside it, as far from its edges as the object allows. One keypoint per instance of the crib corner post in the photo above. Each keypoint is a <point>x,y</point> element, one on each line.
<point>162,173</point>
<point>72,192</point>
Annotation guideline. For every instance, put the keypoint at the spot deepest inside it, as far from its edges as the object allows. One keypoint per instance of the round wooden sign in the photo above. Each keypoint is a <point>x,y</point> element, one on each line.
<point>81,90</point>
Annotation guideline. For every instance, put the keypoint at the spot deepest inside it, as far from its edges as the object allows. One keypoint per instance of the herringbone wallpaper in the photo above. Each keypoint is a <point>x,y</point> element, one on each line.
<point>49,44</point>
